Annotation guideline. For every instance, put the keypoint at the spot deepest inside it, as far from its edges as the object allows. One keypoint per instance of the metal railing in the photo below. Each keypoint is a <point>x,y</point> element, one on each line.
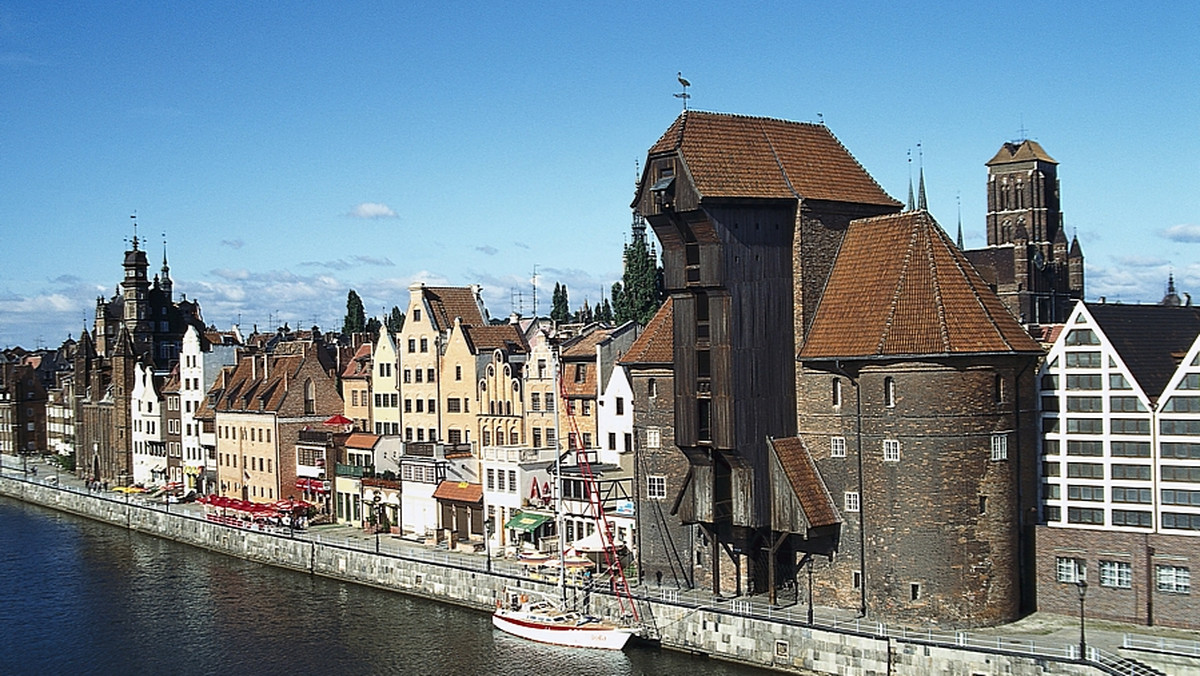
<point>1161,645</point>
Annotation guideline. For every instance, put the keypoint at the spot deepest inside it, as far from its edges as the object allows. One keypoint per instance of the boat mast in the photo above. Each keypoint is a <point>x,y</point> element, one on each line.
<point>558,487</point>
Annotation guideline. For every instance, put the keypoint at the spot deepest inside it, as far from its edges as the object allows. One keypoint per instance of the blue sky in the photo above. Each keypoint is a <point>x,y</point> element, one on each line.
<point>292,151</point>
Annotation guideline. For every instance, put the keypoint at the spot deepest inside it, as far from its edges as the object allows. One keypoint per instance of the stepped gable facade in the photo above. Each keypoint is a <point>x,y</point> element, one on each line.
<point>1028,260</point>
<point>917,400</point>
<point>751,212</point>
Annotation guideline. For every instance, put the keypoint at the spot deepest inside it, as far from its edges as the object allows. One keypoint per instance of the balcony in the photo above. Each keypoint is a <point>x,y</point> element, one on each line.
<point>315,437</point>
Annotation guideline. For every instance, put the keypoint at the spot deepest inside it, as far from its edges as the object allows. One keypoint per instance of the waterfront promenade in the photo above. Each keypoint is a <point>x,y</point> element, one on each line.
<point>1052,636</point>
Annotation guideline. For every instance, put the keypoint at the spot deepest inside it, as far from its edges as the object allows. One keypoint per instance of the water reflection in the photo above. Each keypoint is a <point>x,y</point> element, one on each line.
<point>82,597</point>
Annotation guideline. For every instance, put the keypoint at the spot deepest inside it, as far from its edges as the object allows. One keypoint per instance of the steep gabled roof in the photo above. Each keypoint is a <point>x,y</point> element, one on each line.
<point>1151,339</point>
<point>1025,151</point>
<point>741,156</point>
<point>656,345</point>
<point>359,366</point>
<point>448,302</point>
<point>900,287</point>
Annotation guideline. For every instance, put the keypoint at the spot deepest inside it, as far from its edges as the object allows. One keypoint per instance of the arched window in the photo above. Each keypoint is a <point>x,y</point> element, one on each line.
<point>889,392</point>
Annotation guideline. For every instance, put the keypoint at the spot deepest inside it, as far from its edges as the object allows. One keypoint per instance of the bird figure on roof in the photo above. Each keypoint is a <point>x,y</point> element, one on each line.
<point>684,95</point>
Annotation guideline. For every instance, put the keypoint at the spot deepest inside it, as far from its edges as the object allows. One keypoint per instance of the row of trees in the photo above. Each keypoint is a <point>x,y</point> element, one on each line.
<point>356,317</point>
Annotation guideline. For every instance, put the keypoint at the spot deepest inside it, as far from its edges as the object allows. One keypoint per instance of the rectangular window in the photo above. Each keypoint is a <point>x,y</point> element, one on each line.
<point>1083,360</point>
<point>1139,426</point>
<point>1172,496</point>
<point>580,373</point>
<point>1137,519</point>
<point>1086,493</point>
<point>1085,448</point>
<point>586,407</point>
<point>1089,381</point>
<point>620,406</point>
<point>1180,427</point>
<point>891,450</point>
<point>1051,469</point>
<point>1085,425</point>
<point>1135,495</point>
<point>837,447</point>
<point>612,441</point>
<point>628,442</point>
<point>419,375</point>
<point>500,480</point>
<point>512,481</point>
<point>535,401</point>
<point>1085,470</point>
<point>851,501</point>
<point>999,447</point>
<point>432,407</point>
<point>1130,449</point>
<point>1085,515</point>
<point>1085,404</point>
<point>408,375</point>
<point>551,437</point>
<point>1182,405</point>
<point>549,403</point>
<point>424,344</point>
<point>537,437</point>
<point>453,405</point>
<point>412,345</point>
<point>1131,472</point>
<point>1173,579</point>
<point>587,440</point>
<point>1050,447</point>
<point>1180,451</point>
<point>420,406</point>
<point>1177,521</point>
<point>1116,574</point>
<point>653,437</point>
<point>429,377</point>
<point>1126,405</point>
<point>656,487</point>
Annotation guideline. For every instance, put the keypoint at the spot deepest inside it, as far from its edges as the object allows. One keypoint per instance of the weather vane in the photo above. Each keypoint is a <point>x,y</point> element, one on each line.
<point>683,95</point>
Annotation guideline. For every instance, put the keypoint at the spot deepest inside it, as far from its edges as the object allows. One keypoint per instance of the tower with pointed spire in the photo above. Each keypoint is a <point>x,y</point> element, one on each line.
<point>1027,259</point>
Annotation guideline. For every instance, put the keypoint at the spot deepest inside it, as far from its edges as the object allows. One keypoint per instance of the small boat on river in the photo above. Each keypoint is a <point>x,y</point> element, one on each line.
<point>532,615</point>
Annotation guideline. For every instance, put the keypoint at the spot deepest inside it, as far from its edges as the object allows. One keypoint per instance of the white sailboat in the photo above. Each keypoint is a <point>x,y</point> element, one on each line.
<point>535,616</point>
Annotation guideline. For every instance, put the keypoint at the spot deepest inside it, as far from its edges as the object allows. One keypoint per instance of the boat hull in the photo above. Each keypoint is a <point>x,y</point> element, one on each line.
<point>589,635</point>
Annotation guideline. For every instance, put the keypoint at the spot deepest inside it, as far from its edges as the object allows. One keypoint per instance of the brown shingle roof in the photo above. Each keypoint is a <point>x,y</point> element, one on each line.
<point>1151,339</point>
<point>582,350</point>
<point>806,482</point>
<point>496,337</point>
<point>656,345</point>
<point>1024,151</point>
<point>459,491</point>
<point>448,302</point>
<point>900,287</point>
<point>741,156</point>
<point>359,365</point>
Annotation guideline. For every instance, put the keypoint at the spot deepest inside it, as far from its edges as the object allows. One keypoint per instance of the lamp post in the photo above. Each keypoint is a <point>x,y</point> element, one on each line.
<point>1082,585</point>
<point>378,507</point>
<point>487,545</point>
<point>810,598</point>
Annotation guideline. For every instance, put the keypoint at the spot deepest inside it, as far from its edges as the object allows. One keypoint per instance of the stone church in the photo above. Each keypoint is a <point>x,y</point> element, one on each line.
<point>140,324</point>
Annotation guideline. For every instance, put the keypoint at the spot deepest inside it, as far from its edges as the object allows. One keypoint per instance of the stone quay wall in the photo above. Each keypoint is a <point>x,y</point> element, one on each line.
<point>716,632</point>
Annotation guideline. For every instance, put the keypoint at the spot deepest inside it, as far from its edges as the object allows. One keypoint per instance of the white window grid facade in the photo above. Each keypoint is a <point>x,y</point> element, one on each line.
<point>1128,443</point>
<point>1173,579</point>
<point>656,487</point>
<point>1116,574</point>
<point>891,450</point>
<point>837,447</point>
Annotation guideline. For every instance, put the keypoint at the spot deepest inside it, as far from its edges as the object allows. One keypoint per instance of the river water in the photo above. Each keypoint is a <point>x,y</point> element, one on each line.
<point>82,597</point>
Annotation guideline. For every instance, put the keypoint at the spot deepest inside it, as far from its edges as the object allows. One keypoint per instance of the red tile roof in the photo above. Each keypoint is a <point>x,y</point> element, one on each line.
<point>362,440</point>
<point>806,482</point>
<point>740,156</point>
<point>656,345</point>
<point>899,287</point>
<point>359,365</point>
<point>459,491</point>
<point>448,302</point>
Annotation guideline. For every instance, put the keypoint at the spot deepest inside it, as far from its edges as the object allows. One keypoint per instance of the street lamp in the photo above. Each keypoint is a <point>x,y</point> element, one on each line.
<point>378,507</point>
<point>1082,585</point>
<point>810,598</point>
<point>487,545</point>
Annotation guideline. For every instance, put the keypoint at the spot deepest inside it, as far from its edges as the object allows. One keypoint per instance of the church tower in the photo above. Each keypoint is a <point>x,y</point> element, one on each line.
<point>135,296</point>
<point>1023,191</point>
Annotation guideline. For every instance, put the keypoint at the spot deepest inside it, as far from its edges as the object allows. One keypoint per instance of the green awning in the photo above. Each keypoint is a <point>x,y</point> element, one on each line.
<point>527,521</point>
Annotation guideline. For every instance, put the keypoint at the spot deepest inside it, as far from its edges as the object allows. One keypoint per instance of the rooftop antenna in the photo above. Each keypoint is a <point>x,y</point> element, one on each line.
<point>533,280</point>
<point>820,119</point>
<point>135,236</point>
<point>684,94</point>
<point>1022,133</point>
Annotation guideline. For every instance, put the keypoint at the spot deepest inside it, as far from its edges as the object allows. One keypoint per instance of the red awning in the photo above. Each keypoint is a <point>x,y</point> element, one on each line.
<point>339,419</point>
<point>312,485</point>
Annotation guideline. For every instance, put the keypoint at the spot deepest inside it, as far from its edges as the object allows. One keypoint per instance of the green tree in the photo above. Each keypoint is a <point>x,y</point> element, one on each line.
<point>356,316</point>
<point>372,327</point>
<point>639,293</point>
<point>395,320</point>
<point>604,312</point>
<point>560,307</point>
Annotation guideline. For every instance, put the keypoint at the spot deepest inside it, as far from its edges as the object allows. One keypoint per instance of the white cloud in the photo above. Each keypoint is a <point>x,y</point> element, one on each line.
<point>1184,232</point>
<point>372,210</point>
